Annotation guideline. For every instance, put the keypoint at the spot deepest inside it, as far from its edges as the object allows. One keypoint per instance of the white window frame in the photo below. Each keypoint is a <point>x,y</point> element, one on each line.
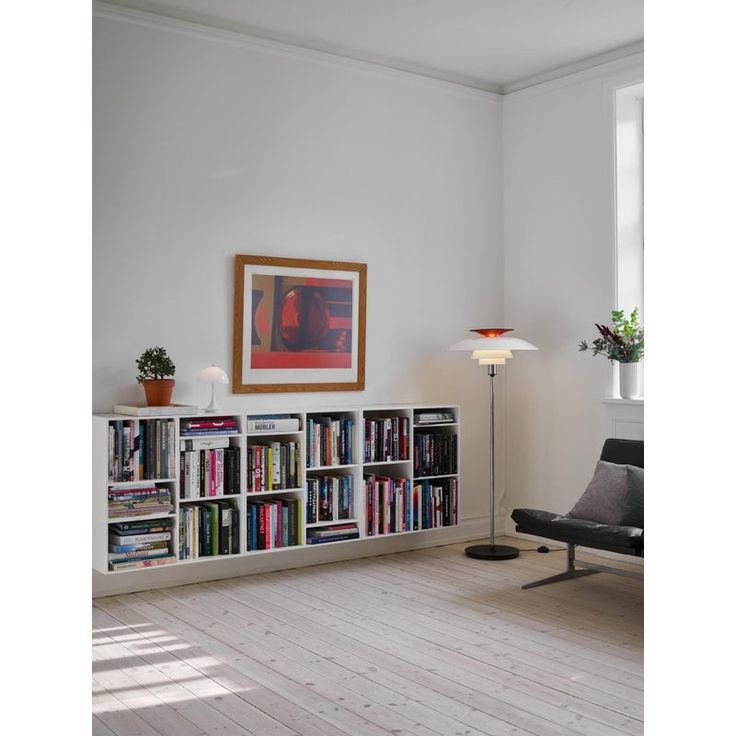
<point>629,106</point>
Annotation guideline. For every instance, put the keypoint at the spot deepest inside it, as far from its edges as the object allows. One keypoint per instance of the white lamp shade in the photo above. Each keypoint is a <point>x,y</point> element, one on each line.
<point>492,343</point>
<point>213,375</point>
<point>491,354</point>
<point>491,361</point>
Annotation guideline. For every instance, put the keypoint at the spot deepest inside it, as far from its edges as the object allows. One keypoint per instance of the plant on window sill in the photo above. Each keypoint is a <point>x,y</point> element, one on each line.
<point>623,344</point>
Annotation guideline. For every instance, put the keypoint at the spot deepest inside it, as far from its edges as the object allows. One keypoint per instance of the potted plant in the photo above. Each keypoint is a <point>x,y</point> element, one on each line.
<point>624,344</point>
<point>154,369</point>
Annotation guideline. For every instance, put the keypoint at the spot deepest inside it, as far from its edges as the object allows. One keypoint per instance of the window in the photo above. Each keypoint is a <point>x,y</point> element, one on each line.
<point>630,198</point>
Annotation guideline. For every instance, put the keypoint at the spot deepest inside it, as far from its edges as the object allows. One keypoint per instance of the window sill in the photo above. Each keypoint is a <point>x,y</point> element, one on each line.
<point>623,402</point>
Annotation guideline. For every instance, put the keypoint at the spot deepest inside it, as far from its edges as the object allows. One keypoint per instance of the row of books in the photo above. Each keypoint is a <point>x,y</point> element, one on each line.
<point>209,472</point>
<point>329,498</point>
<point>157,450</point>
<point>333,533</point>
<point>137,544</point>
<point>274,467</point>
<point>209,528</point>
<point>434,454</point>
<point>434,503</point>
<point>330,440</point>
<point>143,498</point>
<point>391,505</point>
<point>140,450</point>
<point>273,523</point>
<point>387,506</point>
<point>121,440</point>
<point>385,439</point>
<point>203,426</point>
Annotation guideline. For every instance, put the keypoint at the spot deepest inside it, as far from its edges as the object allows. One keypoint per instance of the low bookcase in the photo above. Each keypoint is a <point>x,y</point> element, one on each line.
<point>185,489</point>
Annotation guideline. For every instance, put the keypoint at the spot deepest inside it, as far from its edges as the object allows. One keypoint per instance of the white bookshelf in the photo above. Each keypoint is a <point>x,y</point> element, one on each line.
<point>242,439</point>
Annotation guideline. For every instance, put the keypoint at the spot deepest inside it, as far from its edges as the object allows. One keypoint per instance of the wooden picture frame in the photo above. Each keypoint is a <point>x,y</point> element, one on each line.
<point>299,325</point>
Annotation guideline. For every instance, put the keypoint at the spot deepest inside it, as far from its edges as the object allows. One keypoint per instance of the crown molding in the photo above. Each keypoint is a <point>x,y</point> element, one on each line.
<point>204,26</point>
<point>585,69</point>
<point>205,29</point>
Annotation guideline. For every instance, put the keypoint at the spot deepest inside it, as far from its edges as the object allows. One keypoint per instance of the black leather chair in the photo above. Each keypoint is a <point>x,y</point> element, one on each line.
<point>627,540</point>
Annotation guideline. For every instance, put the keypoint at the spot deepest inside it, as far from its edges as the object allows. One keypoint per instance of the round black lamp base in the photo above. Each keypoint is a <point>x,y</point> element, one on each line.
<point>492,552</point>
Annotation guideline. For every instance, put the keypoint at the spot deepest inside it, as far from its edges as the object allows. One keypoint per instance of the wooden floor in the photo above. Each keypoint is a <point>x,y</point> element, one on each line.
<point>426,642</point>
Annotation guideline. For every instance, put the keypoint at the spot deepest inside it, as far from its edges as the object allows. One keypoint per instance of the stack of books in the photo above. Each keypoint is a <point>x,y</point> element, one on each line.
<point>137,544</point>
<point>199,426</point>
<point>332,533</point>
<point>434,417</point>
<point>138,499</point>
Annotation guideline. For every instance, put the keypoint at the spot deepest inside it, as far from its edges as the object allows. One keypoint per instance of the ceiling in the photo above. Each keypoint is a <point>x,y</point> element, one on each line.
<point>496,45</point>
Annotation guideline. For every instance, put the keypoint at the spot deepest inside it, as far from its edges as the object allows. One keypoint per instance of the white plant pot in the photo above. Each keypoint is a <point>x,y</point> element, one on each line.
<point>629,377</point>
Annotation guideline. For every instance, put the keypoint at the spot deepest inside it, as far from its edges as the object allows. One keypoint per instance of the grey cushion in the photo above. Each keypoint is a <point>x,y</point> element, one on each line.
<point>634,501</point>
<point>603,499</point>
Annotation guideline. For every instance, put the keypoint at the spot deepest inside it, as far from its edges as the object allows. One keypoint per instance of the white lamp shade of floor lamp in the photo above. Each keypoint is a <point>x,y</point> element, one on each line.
<point>214,376</point>
<point>492,348</point>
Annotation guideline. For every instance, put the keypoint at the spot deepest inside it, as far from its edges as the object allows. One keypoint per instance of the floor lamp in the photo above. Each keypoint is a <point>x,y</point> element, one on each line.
<point>492,348</point>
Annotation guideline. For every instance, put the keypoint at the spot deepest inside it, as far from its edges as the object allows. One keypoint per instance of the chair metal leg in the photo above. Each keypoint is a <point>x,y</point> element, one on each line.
<point>569,574</point>
<point>562,576</point>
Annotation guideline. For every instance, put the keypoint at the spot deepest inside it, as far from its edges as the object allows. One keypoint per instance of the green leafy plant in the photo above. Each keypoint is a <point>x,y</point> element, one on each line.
<point>624,343</point>
<point>154,364</point>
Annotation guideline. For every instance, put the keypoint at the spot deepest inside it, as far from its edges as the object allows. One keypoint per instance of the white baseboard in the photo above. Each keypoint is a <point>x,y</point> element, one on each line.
<point>219,568</point>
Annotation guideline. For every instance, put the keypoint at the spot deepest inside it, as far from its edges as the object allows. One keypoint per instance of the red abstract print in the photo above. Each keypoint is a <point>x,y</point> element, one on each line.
<point>301,322</point>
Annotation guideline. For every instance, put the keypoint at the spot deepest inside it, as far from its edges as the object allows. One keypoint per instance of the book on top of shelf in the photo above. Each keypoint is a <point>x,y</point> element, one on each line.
<point>138,547</point>
<point>205,432</point>
<point>144,562</point>
<point>139,553</point>
<point>138,491</point>
<point>205,443</point>
<point>138,511</point>
<point>333,531</point>
<point>433,417</point>
<point>154,411</point>
<point>125,539</point>
<point>145,526</point>
<point>336,533</point>
<point>209,423</point>
<point>275,423</point>
<point>130,527</point>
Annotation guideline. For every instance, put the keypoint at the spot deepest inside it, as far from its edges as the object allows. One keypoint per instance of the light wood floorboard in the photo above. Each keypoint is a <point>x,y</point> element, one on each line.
<point>420,643</point>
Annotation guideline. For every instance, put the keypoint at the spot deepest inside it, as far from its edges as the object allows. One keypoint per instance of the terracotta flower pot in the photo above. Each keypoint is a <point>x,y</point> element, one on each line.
<point>159,391</point>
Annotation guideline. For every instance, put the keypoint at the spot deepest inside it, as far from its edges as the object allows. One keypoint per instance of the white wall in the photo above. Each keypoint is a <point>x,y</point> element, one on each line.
<point>559,234</point>
<point>207,145</point>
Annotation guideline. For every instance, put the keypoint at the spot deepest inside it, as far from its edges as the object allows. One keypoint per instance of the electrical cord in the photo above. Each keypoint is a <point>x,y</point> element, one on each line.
<point>543,548</point>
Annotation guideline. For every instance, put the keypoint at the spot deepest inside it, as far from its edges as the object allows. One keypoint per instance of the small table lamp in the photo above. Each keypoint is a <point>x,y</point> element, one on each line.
<point>492,348</point>
<point>213,375</point>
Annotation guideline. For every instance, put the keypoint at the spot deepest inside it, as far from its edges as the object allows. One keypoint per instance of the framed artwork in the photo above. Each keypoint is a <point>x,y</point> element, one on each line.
<point>299,325</point>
